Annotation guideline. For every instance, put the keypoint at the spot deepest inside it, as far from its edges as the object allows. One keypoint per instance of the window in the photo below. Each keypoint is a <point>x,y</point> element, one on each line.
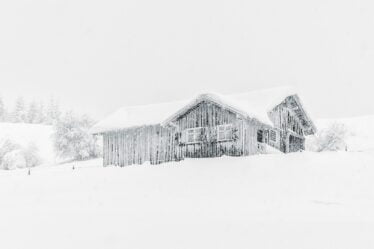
<point>194,135</point>
<point>266,136</point>
<point>224,132</point>
<point>273,136</point>
<point>260,136</point>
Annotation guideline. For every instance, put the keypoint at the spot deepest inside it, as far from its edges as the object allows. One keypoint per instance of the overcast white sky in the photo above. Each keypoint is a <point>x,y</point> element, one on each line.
<point>96,56</point>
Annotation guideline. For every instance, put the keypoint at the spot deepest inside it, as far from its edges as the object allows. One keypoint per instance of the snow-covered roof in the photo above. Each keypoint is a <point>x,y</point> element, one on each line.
<point>254,104</point>
<point>134,116</point>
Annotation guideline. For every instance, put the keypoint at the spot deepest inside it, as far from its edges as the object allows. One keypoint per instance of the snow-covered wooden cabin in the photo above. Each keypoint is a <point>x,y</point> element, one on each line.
<point>209,125</point>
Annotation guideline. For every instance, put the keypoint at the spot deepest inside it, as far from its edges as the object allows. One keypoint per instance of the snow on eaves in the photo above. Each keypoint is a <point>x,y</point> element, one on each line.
<point>134,116</point>
<point>258,103</point>
<point>254,104</point>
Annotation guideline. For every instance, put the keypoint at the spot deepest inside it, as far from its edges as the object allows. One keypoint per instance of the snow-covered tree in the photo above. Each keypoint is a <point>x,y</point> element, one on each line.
<point>7,146</point>
<point>3,113</point>
<point>14,160</point>
<point>72,139</point>
<point>19,114</point>
<point>332,138</point>
<point>14,156</point>
<point>40,114</point>
<point>32,113</point>
<point>53,112</point>
<point>31,155</point>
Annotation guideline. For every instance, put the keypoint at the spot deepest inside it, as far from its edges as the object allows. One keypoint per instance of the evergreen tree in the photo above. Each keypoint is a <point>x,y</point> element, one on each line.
<point>19,114</point>
<point>3,112</point>
<point>53,112</point>
<point>32,113</point>
<point>40,115</point>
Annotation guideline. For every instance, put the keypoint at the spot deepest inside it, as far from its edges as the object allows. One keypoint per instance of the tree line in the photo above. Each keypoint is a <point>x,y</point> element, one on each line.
<point>32,113</point>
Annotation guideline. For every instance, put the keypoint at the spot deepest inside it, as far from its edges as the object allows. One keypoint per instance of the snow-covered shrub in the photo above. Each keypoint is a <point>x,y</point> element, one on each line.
<point>331,138</point>
<point>72,139</point>
<point>31,155</point>
<point>14,159</point>
<point>14,156</point>
<point>7,146</point>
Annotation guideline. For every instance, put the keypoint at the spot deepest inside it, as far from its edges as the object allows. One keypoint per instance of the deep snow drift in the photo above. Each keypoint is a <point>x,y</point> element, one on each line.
<point>301,200</point>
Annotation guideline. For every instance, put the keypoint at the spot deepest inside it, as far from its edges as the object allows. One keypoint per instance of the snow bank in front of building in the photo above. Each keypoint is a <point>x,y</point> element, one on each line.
<point>293,201</point>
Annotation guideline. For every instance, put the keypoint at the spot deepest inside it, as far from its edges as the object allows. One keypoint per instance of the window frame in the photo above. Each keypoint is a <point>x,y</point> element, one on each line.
<point>260,134</point>
<point>271,137</point>
<point>227,130</point>
<point>196,133</point>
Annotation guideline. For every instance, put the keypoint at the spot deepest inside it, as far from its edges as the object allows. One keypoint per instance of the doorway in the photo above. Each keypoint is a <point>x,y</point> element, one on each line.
<point>295,144</point>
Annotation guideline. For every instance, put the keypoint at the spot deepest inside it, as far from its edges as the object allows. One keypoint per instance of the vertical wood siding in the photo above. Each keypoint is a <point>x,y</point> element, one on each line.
<point>210,115</point>
<point>154,144</point>
<point>158,144</point>
<point>289,126</point>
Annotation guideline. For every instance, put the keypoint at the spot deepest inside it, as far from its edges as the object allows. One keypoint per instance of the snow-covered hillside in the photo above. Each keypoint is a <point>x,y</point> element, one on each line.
<point>25,134</point>
<point>301,200</point>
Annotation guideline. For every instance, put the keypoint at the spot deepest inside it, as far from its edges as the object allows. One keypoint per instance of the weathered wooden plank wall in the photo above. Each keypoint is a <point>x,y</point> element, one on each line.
<point>288,124</point>
<point>155,144</point>
<point>210,115</point>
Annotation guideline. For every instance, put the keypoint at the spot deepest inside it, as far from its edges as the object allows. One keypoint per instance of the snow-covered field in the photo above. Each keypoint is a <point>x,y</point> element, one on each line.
<point>300,200</point>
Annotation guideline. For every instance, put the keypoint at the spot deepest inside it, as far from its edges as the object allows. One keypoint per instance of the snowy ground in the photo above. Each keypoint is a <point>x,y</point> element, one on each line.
<point>302,200</point>
<point>293,201</point>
